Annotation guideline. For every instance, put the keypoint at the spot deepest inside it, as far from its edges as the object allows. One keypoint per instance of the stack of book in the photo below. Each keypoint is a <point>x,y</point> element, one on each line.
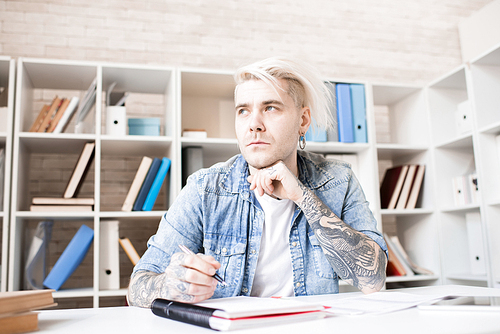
<point>348,110</point>
<point>56,116</point>
<point>401,185</point>
<point>69,202</point>
<point>399,263</point>
<point>146,185</point>
<point>16,310</point>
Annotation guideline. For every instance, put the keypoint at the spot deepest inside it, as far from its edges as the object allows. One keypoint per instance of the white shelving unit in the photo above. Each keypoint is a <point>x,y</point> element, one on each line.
<point>422,130</point>
<point>145,82</point>
<point>7,82</point>
<point>409,142</point>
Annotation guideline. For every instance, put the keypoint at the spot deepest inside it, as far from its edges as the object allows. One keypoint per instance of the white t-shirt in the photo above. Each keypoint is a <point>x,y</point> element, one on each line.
<point>274,275</point>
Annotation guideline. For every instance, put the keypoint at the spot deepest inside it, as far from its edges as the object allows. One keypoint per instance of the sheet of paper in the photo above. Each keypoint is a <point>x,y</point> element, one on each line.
<point>377,303</point>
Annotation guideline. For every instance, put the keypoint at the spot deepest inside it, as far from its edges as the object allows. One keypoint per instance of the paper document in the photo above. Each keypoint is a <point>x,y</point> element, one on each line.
<point>377,303</point>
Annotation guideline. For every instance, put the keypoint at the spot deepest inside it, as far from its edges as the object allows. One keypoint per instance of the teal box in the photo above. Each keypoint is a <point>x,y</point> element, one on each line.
<point>144,126</point>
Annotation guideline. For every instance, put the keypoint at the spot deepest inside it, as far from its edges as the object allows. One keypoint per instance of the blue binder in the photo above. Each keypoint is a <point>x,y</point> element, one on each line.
<point>70,259</point>
<point>156,186</point>
<point>146,185</point>
<point>359,112</point>
<point>344,113</point>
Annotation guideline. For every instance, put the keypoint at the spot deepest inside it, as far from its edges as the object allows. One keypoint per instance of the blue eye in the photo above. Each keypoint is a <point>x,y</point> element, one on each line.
<point>270,108</point>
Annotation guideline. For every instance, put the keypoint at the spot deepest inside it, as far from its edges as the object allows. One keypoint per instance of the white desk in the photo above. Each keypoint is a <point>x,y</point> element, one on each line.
<point>136,320</point>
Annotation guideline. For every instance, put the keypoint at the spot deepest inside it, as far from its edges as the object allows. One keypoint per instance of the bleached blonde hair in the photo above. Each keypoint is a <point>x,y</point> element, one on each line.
<point>305,85</point>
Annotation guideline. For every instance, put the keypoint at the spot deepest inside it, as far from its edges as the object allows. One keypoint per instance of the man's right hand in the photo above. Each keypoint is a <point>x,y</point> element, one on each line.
<point>188,278</point>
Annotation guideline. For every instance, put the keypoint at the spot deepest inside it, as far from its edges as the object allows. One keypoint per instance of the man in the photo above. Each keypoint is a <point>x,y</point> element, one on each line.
<point>273,221</point>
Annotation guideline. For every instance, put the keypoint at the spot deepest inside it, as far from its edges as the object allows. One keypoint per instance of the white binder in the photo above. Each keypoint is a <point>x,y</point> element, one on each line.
<point>109,257</point>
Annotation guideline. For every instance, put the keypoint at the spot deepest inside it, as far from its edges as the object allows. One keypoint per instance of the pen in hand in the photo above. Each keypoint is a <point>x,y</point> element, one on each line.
<point>216,276</point>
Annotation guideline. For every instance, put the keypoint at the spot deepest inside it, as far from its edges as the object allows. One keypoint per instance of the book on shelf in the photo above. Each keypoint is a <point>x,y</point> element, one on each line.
<point>391,186</point>
<point>62,122</point>
<point>414,267</point>
<point>146,185</point>
<point>238,312</point>
<point>157,183</point>
<point>39,119</point>
<point>194,133</point>
<point>402,268</point>
<point>80,171</point>
<point>359,112</point>
<point>58,114</point>
<point>129,250</point>
<point>70,258</point>
<point>474,229</point>
<point>109,255</point>
<point>25,300</point>
<point>333,133</point>
<point>416,187</point>
<point>62,201</point>
<point>56,104</point>
<point>135,187</point>
<point>65,208</point>
<point>394,266</point>
<point>405,190</point>
<point>344,113</point>
<point>84,107</point>
<point>192,160</point>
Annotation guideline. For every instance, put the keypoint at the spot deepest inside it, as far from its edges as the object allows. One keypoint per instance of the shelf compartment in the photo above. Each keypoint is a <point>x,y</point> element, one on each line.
<point>400,115</point>
<point>444,97</point>
<point>150,90</point>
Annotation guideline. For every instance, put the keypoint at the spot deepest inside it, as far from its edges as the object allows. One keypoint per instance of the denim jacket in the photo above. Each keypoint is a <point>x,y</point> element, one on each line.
<point>217,214</point>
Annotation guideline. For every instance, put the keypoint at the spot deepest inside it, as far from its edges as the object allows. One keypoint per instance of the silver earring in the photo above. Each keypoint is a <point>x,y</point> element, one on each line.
<point>302,142</point>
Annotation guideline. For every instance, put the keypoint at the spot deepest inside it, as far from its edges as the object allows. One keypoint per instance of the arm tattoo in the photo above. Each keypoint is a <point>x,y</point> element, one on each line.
<point>146,286</point>
<point>355,257</point>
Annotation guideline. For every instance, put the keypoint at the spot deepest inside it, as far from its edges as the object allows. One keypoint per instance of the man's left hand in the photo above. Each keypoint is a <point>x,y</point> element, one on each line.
<point>276,180</point>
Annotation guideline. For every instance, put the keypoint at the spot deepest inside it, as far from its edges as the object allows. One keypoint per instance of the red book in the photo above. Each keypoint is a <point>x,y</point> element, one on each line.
<point>391,186</point>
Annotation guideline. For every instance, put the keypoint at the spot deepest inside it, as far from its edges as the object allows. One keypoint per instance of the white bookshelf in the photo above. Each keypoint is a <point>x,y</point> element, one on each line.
<point>421,125</point>
<point>7,82</point>
<point>72,78</point>
<point>408,142</point>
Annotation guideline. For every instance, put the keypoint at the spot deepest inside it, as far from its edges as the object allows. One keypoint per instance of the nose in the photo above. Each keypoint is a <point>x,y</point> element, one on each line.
<point>256,122</point>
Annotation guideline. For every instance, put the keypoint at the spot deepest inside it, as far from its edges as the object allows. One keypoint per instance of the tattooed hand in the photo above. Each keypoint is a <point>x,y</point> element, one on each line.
<point>188,278</point>
<point>276,180</point>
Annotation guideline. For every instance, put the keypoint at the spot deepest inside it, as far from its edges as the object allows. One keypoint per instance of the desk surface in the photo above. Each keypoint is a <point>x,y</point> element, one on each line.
<point>138,320</point>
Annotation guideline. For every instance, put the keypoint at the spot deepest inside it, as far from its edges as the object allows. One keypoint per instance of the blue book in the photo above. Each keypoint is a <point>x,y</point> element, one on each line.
<point>146,185</point>
<point>344,113</point>
<point>70,259</point>
<point>317,135</point>
<point>156,186</point>
<point>359,112</point>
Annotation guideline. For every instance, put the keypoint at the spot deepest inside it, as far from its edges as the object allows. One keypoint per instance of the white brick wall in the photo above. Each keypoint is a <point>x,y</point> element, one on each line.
<point>384,41</point>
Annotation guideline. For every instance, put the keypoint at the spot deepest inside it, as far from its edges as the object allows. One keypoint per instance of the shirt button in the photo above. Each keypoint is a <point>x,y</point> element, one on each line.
<point>245,290</point>
<point>297,284</point>
<point>294,244</point>
<point>224,250</point>
<point>252,251</point>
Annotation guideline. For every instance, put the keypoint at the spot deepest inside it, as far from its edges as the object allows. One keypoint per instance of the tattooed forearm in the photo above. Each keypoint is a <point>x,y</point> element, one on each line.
<point>355,257</point>
<point>146,286</point>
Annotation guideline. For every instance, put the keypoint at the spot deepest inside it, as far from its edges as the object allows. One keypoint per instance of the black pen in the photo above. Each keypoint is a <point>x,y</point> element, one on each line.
<point>216,276</point>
